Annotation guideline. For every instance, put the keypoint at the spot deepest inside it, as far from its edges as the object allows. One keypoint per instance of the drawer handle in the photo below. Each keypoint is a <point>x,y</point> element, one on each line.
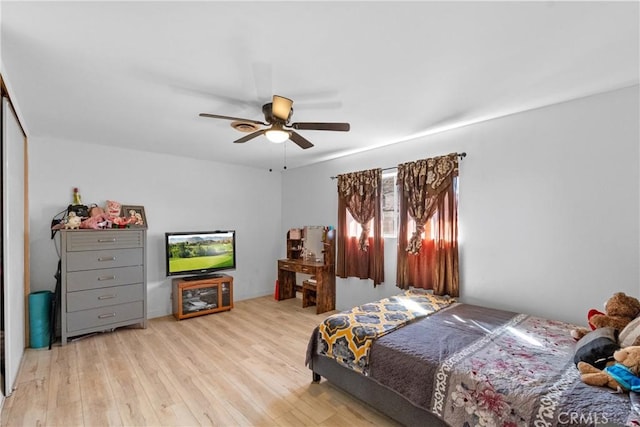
<point>106,296</point>
<point>106,278</point>
<point>105,316</point>
<point>107,240</point>
<point>110,258</point>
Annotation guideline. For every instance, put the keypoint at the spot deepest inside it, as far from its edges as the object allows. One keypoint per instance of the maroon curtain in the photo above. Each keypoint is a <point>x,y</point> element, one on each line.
<point>426,187</point>
<point>359,193</point>
<point>420,266</point>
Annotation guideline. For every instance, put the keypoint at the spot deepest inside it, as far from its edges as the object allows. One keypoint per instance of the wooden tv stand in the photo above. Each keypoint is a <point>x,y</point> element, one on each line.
<point>195,296</point>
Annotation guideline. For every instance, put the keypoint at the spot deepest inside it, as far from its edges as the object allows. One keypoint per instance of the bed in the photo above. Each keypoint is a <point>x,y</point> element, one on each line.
<point>431,361</point>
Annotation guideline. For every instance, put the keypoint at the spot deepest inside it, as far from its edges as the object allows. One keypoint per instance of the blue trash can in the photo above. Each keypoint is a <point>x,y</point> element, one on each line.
<point>39,318</point>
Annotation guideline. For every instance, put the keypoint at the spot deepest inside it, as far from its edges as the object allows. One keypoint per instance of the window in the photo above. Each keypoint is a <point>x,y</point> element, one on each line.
<point>355,228</point>
<point>390,206</point>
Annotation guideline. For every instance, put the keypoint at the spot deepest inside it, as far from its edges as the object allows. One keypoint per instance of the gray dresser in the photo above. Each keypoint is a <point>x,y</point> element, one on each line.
<point>104,280</point>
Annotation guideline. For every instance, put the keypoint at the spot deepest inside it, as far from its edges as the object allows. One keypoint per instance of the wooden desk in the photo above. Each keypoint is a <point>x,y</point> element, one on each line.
<point>325,281</point>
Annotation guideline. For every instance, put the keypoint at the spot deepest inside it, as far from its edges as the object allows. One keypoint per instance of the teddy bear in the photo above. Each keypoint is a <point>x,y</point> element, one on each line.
<point>622,376</point>
<point>620,310</point>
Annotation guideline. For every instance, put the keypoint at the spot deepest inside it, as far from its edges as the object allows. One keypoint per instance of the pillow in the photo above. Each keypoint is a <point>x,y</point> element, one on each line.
<point>597,347</point>
<point>443,299</point>
<point>630,332</point>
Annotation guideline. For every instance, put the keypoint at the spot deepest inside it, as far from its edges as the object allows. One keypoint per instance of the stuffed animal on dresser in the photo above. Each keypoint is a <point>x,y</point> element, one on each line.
<point>73,221</point>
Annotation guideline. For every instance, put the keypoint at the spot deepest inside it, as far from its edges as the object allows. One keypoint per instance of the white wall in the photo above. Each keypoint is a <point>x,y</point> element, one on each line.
<point>178,194</point>
<point>549,206</point>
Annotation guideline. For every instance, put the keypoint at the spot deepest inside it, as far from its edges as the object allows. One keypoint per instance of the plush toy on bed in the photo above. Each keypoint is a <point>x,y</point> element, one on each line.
<point>621,376</point>
<point>620,312</point>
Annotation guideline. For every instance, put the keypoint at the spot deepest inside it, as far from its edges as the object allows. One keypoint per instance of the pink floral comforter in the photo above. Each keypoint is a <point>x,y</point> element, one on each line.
<point>503,378</point>
<point>474,366</point>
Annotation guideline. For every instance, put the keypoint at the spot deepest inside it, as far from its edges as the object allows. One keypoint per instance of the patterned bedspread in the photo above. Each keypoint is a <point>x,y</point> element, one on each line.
<point>514,375</point>
<point>474,366</point>
<point>347,336</point>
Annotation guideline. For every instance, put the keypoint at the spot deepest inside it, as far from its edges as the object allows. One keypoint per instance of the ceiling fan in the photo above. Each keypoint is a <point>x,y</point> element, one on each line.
<point>277,115</point>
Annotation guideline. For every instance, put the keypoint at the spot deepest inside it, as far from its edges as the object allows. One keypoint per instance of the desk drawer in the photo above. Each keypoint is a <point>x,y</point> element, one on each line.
<point>105,316</point>
<point>93,279</point>
<point>306,270</point>
<point>104,239</point>
<point>297,268</point>
<point>109,258</point>
<point>95,298</point>
<point>287,266</point>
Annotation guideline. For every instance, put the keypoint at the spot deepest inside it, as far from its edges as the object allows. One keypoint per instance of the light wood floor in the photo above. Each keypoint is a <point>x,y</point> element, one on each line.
<point>242,367</point>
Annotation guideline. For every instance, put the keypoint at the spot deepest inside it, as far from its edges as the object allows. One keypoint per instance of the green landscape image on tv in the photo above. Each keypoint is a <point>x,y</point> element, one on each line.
<point>200,252</point>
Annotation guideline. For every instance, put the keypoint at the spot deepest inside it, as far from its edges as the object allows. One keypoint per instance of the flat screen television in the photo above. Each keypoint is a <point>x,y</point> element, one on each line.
<point>200,253</point>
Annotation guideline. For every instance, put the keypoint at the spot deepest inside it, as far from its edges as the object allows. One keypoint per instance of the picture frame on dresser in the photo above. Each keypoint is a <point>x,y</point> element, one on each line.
<point>136,212</point>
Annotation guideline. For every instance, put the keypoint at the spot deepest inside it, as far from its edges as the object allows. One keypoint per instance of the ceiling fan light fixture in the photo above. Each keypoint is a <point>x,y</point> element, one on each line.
<point>277,135</point>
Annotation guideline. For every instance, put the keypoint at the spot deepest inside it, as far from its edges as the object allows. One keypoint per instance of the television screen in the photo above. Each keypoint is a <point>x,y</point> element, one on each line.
<point>201,252</point>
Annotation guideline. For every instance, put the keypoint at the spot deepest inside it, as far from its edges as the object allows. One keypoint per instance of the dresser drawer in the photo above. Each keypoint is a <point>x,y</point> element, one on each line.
<point>92,279</point>
<point>104,239</point>
<point>103,283</point>
<point>94,298</point>
<point>87,319</point>
<point>91,260</point>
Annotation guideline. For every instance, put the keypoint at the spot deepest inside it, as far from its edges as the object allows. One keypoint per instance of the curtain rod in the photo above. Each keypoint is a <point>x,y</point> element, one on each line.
<point>460,155</point>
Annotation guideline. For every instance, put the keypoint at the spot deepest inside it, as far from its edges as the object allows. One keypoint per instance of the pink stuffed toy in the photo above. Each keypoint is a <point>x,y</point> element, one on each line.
<point>96,222</point>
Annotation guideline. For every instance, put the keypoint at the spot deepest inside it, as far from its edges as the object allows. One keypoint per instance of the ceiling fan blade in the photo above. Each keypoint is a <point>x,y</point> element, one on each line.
<point>217,116</point>
<point>250,136</point>
<point>300,140</point>
<point>343,127</point>
<point>281,107</point>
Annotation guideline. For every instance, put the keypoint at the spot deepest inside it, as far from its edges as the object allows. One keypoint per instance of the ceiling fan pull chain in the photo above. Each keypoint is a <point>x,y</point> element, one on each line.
<point>285,155</point>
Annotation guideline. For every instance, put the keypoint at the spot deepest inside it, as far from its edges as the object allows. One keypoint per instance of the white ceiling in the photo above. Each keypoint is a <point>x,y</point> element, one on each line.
<point>137,74</point>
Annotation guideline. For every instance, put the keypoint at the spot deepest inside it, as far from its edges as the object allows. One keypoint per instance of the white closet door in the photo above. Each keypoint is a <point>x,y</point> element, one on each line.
<point>13,243</point>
